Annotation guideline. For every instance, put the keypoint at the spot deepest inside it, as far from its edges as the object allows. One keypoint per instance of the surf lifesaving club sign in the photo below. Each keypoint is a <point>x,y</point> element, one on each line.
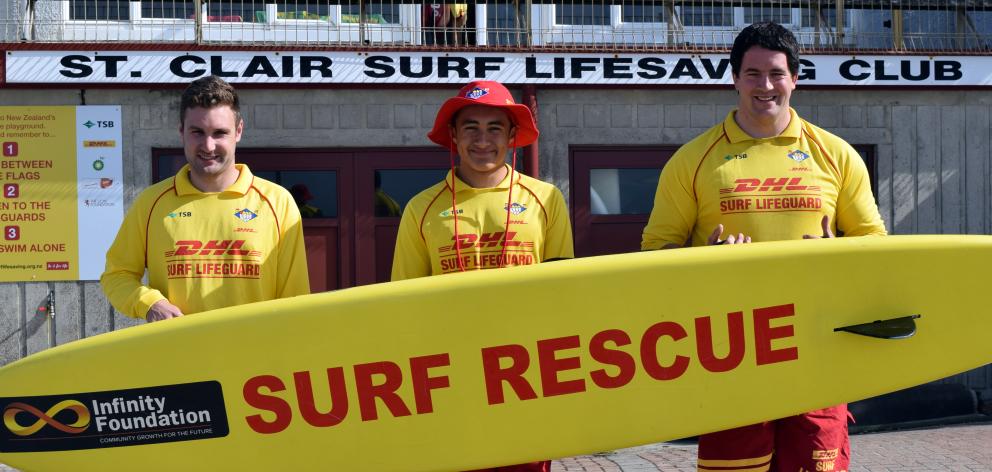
<point>375,67</point>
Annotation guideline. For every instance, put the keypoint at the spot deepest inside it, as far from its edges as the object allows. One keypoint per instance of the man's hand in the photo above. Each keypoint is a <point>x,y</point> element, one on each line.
<point>162,310</point>
<point>825,224</point>
<point>714,239</point>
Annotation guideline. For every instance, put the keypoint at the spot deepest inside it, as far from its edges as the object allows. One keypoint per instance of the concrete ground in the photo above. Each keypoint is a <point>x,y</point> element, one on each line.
<point>959,448</point>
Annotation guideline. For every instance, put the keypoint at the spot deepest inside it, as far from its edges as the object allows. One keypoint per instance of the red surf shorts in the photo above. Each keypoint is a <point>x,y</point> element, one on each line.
<point>812,442</point>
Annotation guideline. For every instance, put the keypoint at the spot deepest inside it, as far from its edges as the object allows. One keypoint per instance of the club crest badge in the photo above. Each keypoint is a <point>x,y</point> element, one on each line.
<point>245,215</point>
<point>515,208</point>
<point>477,93</point>
<point>797,155</point>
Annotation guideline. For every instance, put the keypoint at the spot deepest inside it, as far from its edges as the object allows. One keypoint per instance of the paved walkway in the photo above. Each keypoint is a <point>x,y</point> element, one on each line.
<point>962,448</point>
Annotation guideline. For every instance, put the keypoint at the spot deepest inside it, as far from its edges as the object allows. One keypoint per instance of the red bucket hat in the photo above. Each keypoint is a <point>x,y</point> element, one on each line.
<point>487,93</point>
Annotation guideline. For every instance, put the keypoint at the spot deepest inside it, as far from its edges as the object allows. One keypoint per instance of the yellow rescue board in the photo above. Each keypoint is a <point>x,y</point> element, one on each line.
<point>500,367</point>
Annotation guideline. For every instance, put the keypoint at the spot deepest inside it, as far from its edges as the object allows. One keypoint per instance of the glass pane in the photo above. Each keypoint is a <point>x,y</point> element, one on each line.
<point>707,16</point>
<point>315,191</point>
<point>98,10</point>
<point>828,18</point>
<point>375,13</point>
<point>168,165</point>
<point>982,21</point>
<point>301,11</point>
<point>582,14</point>
<point>395,187</point>
<point>236,12</point>
<point>505,23</point>
<point>776,14</point>
<point>649,13</point>
<point>622,191</point>
<point>167,9</point>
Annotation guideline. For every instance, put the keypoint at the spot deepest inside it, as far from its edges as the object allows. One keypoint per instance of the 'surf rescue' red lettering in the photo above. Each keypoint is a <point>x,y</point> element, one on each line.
<point>663,352</point>
<point>374,380</point>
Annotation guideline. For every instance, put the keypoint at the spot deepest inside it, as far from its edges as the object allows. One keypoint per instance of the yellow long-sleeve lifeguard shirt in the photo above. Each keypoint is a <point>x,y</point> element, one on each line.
<point>207,250</point>
<point>539,227</point>
<point>771,189</point>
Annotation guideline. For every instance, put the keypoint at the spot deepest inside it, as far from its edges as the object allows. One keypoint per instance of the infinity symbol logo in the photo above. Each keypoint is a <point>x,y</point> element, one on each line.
<point>82,418</point>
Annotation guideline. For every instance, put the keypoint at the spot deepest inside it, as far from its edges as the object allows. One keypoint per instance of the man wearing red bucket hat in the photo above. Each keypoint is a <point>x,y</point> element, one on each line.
<point>485,214</point>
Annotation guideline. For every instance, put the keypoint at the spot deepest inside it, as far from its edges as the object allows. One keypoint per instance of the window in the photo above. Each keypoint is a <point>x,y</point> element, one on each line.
<point>624,191</point>
<point>707,16</point>
<point>582,14</point>
<point>776,14</point>
<point>240,11</point>
<point>644,13</point>
<point>167,9</point>
<point>867,153</point>
<point>375,13</point>
<point>395,187</point>
<point>99,10</point>
<point>504,23</point>
<point>828,18</point>
<point>302,11</point>
<point>315,192</point>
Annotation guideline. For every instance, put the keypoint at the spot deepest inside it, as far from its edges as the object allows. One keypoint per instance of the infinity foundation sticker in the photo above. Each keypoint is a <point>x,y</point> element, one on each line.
<point>115,418</point>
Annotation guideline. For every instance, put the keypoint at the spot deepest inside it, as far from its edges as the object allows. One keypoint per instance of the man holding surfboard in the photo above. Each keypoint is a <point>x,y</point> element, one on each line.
<point>485,214</point>
<point>213,235</point>
<point>765,174</point>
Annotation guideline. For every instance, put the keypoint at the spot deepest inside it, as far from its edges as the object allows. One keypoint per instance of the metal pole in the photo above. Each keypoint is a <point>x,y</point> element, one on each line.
<point>531,153</point>
<point>960,24</point>
<point>840,24</point>
<point>198,21</point>
<point>818,30</point>
<point>51,317</point>
<point>361,22</point>
<point>528,20</point>
<point>675,28</point>
<point>897,34</point>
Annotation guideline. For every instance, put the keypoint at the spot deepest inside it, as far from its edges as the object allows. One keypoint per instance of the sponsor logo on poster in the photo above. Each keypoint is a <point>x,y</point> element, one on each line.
<point>109,143</point>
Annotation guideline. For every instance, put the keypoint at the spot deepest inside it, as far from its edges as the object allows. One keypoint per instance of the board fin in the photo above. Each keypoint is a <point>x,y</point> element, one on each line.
<point>894,328</point>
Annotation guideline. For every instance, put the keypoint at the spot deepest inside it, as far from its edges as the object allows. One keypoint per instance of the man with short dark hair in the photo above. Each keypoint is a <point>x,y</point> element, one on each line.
<point>764,174</point>
<point>212,236</point>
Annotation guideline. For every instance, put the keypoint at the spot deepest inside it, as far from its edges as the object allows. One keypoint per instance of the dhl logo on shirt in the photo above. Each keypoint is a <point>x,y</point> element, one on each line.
<point>773,194</point>
<point>212,268</point>
<point>771,184</point>
<point>213,247</point>
<point>485,240</point>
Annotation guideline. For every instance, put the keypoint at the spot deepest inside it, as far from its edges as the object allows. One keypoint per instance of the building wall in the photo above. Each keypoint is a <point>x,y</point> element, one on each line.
<point>934,154</point>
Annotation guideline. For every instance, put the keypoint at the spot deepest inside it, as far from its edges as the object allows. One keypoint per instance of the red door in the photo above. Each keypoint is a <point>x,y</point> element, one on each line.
<point>322,182</point>
<point>386,180</point>
<point>612,192</point>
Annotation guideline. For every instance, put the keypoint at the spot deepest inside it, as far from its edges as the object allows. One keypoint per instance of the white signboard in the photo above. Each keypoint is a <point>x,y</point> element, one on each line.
<point>352,67</point>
